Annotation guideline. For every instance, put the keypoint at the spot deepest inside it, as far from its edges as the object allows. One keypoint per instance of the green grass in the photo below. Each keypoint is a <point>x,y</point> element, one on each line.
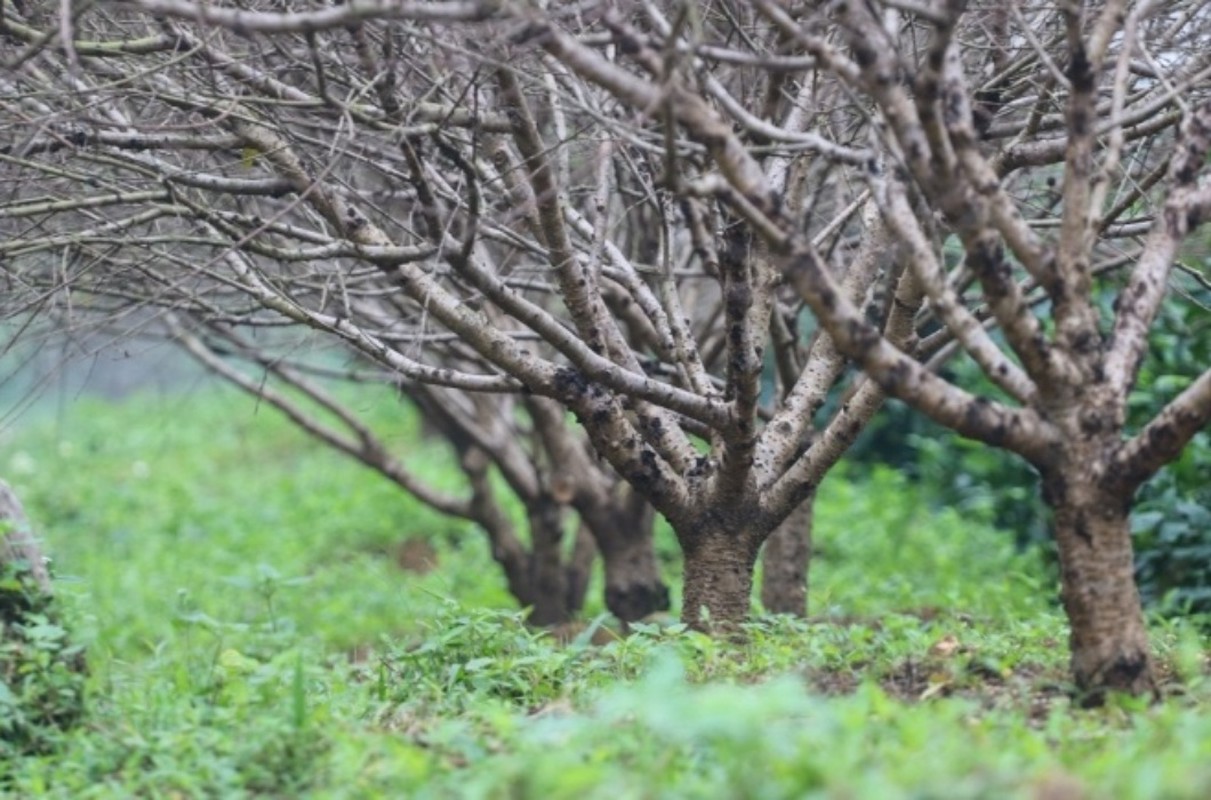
<point>249,636</point>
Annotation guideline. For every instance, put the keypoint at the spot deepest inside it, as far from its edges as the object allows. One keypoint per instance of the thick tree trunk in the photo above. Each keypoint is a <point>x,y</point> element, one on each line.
<point>634,588</point>
<point>785,561</point>
<point>623,531</point>
<point>718,581</point>
<point>1109,641</point>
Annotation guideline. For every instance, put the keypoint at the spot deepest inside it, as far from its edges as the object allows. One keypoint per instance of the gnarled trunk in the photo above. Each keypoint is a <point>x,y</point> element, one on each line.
<point>718,580</point>
<point>623,532</point>
<point>634,588</point>
<point>785,561</point>
<point>1109,641</point>
<point>538,576</point>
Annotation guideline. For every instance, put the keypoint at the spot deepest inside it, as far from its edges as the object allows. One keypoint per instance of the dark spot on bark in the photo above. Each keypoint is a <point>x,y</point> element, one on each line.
<point>1080,122</point>
<point>828,299</point>
<point>937,57</point>
<point>1080,71</point>
<point>570,382</point>
<point>1086,342</point>
<point>864,336</point>
<point>1092,422</point>
<point>628,44</point>
<point>1054,489</point>
<point>739,298</point>
<point>1081,528</point>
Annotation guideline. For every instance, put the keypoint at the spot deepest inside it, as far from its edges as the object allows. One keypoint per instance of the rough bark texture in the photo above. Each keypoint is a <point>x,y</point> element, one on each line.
<point>1109,641</point>
<point>623,532</point>
<point>785,562</point>
<point>718,581</point>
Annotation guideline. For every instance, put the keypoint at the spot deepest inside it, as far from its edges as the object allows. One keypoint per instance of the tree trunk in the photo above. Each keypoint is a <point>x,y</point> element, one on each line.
<point>548,579</point>
<point>785,561</point>
<point>1109,641</point>
<point>537,576</point>
<point>579,569</point>
<point>718,581</point>
<point>623,531</point>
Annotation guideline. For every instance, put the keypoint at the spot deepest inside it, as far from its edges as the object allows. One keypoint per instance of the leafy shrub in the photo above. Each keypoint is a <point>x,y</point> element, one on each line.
<point>41,680</point>
<point>1172,523</point>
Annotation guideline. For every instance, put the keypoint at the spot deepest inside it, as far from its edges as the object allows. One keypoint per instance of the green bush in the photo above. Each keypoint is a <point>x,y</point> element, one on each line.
<point>41,680</point>
<point>1172,522</point>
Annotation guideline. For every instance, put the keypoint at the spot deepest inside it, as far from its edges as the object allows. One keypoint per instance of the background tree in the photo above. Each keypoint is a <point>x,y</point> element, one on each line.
<point>539,241</point>
<point>543,462</point>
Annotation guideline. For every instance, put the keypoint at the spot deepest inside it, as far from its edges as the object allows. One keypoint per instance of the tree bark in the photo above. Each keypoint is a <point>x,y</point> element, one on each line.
<point>718,580</point>
<point>785,562</point>
<point>579,570</point>
<point>623,531</point>
<point>537,576</point>
<point>548,580</point>
<point>1109,641</point>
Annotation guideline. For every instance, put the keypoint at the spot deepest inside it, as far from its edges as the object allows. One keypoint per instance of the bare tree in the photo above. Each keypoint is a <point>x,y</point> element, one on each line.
<point>538,258</point>
<point>600,204</point>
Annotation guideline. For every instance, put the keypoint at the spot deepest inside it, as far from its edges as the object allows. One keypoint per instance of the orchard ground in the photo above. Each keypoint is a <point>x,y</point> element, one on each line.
<point>264,619</point>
